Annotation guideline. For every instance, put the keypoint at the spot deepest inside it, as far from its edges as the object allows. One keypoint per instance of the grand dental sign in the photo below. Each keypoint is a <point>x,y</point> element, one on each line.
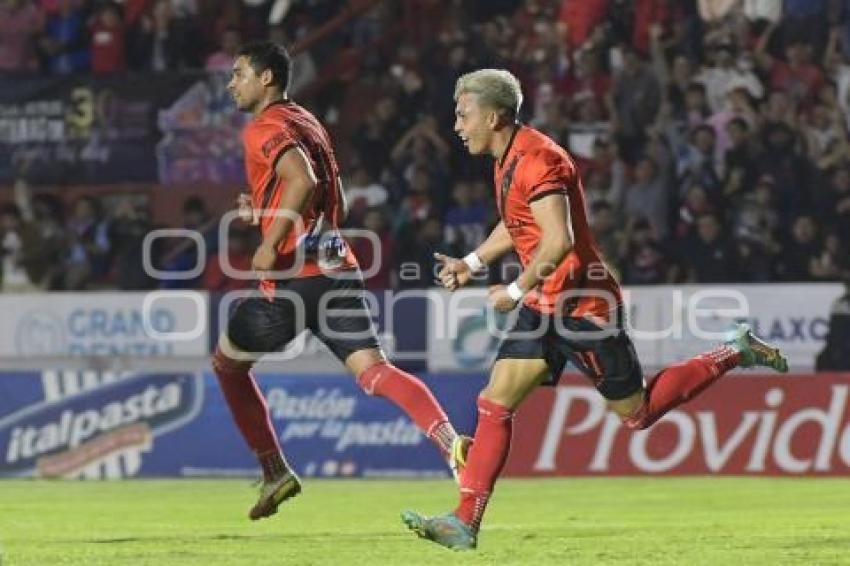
<point>743,425</point>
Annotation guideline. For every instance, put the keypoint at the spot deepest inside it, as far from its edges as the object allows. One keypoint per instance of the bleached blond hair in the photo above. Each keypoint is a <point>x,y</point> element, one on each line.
<point>496,88</point>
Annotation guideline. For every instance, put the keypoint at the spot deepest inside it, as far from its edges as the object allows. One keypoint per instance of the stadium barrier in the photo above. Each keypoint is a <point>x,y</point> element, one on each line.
<point>457,333</point>
<point>744,425</point>
<point>106,425</point>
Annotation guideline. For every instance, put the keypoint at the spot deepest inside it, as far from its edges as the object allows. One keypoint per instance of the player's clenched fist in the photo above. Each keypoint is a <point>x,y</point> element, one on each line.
<point>500,299</point>
<point>454,273</point>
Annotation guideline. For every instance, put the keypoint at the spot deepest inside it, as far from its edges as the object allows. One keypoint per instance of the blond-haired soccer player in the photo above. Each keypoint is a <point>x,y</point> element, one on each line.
<point>570,306</point>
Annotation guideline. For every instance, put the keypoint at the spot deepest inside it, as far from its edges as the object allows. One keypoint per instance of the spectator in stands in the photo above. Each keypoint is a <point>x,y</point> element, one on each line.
<point>833,203</point>
<point>782,160</point>
<point>183,255</point>
<point>605,174</point>
<point>755,217</point>
<point>755,226</point>
<point>303,66</point>
<point>417,205</point>
<point>20,22</point>
<point>374,137</point>
<point>44,244</point>
<point>127,230</point>
<point>633,103</point>
<point>222,60</point>
<point>64,45</point>
<point>798,252</point>
<point>647,197</point>
<point>708,255</point>
<point>363,192</point>
<point>738,160</point>
<point>835,355</point>
<point>606,230</point>
<point>238,256</point>
<point>724,75</point>
<point>694,205</point>
<point>416,266</point>
<point>466,222</point>
<point>695,109</point>
<point>19,242</point>
<point>107,41</point>
<point>88,260</point>
<point>643,259</point>
<point>379,259</point>
<point>797,74</point>
<point>581,17</point>
<point>422,144</point>
<point>698,164</point>
<point>824,136</point>
<point>831,263</point>
<point>163,41</point>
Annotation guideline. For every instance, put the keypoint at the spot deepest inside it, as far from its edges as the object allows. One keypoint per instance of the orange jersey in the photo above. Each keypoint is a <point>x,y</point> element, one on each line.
<point>279,127</point>
<point>533,167</point>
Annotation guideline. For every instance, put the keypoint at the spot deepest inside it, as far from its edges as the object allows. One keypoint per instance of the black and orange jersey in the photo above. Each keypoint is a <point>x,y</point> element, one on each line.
<point>279,127</point>
<point>533,167</point>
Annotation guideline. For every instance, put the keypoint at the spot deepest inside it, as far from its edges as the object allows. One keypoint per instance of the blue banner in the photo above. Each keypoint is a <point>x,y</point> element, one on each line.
<point>106,425</point>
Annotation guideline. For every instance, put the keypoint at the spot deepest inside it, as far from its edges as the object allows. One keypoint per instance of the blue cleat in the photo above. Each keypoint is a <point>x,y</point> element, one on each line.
<point>754,351</point>
<point>446,530</point>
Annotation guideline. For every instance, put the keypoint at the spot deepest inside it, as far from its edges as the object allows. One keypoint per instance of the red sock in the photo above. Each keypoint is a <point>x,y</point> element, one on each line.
<point>246,403</point>
<point>485,460</point>
<point>681,382</point>
<point>413,397</point>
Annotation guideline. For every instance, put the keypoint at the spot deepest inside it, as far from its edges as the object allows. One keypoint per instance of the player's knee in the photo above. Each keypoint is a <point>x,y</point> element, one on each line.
<point>369,378</point>
<point>636,422</point>
<point>632,410</point>
<point>637,418</point>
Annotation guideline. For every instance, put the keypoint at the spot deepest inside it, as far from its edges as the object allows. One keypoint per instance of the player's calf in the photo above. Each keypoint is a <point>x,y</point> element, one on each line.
<point>412,396</point>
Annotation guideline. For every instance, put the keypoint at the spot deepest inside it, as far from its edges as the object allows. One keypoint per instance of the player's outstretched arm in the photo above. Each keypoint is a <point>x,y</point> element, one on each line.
<point>295,172</point>
<point>497,244</point>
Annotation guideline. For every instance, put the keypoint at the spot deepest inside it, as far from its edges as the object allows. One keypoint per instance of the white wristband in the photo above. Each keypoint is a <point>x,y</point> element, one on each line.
<point>473,262</point>
<point>515,292</point>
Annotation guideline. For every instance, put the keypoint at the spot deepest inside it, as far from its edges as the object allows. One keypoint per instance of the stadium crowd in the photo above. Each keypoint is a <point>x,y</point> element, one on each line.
<point>711,135</point>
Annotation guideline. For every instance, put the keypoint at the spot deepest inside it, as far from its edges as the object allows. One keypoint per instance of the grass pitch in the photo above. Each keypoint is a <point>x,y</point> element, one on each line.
<point>561,521</point>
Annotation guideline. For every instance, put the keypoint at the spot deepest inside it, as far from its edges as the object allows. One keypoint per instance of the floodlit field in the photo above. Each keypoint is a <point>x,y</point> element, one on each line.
<point>726,521</point>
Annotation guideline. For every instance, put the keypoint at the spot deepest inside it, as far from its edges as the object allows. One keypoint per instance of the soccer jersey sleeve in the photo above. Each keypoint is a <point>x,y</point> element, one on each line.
<point>545,172</point>
<point>268,142</point>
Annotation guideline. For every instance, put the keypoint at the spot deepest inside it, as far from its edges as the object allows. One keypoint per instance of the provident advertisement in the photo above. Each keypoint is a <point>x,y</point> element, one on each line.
<point>743,425</point>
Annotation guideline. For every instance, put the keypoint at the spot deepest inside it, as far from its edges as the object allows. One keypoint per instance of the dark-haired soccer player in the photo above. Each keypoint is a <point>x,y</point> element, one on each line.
<point>570,305</point>
<point>296,198</point>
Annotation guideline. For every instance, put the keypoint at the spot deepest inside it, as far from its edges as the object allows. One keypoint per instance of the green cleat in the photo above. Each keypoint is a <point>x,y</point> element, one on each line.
<point>273,493</point>
<point>754,351</point>
<point>457,455</point>
<point>446,530</point>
